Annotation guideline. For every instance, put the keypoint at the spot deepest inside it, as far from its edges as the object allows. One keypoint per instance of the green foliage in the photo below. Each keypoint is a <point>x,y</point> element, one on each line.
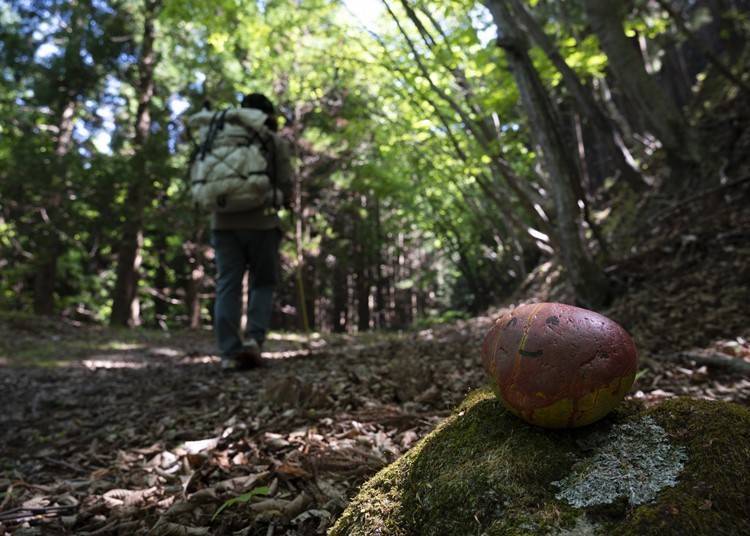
<point>444,317</point>
<point>383,121</point>
<point>241,499</point>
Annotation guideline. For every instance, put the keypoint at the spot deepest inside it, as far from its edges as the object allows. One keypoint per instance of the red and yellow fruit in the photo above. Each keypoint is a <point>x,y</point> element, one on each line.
<point>559,366</point>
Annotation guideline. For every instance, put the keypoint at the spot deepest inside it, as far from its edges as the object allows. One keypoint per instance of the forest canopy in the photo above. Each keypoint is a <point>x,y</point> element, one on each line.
<point>444,149</point>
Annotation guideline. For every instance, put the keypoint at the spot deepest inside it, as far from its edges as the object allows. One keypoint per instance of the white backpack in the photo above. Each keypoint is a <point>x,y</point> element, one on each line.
<point>233,168</point>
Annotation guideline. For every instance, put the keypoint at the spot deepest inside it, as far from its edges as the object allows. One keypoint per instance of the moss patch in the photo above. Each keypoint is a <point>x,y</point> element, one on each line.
<point>483,471</point>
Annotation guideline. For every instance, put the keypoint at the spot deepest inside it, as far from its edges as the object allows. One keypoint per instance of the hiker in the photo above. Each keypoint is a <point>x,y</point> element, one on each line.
<point>242,174</point>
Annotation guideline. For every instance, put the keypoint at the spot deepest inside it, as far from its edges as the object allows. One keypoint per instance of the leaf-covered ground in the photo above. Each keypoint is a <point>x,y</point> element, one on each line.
<point>131,432</point>
<point>135,433</point>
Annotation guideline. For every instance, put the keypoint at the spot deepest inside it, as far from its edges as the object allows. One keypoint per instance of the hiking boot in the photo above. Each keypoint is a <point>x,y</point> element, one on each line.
<point>250,356</point>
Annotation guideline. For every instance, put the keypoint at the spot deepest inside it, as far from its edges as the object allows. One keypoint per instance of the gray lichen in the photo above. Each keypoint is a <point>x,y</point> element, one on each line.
<point>634,460</point>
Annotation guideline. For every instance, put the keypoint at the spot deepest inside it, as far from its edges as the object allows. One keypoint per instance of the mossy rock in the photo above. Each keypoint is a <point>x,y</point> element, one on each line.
<point>682,467</point>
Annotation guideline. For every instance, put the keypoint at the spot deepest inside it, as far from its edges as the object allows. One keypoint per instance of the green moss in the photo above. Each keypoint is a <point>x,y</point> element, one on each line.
<point>713,492</point>
<point>483,471</point>
<point>480,470</point>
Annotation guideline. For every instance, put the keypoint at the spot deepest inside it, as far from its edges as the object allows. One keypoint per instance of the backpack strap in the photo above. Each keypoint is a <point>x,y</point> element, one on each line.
<point>268,149</point>
<point>216,124</point>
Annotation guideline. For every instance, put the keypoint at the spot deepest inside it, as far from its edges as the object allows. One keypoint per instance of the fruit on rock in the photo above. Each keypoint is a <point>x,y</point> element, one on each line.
<point>559,366</point>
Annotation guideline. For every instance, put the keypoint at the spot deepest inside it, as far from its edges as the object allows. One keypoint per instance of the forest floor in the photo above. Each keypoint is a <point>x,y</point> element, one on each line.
<point>128,431</point>
<point>132,432</point>
<point>108,431</point>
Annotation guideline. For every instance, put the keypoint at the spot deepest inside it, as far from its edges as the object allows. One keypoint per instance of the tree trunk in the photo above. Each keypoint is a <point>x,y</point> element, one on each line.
<point>44,279</point>
<point>380,291</point>
<point>588,280</point>
<point>618,162</point>
<point>362,279</point>
<point>160,298</point>
<point>308,282</point>
<point>50,247</point>
<point>195,252</point>
<point>663,117</point>
<point>697,40</point>
<point>125,306</point>
<point>339,303</point>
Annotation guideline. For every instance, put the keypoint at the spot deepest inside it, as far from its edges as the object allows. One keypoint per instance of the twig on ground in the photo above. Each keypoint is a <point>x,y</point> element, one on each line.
<point>733,364</point>
<point>63,463</point>
<point>20,513</point>
<point>116,525</point>
<point>8,496</point>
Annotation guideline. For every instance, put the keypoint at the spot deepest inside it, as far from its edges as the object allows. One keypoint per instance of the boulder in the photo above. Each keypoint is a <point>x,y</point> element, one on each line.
<point>682,467</point>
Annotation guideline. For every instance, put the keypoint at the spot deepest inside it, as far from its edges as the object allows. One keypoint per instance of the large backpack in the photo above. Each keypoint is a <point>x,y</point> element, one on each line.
<point>232,168</point>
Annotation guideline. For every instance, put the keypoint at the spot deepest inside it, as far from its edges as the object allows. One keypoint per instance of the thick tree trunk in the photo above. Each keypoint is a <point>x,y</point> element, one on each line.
<point>663,117</point>
<point>44,281</point>
<point>696,40</point>
<point>49,246</point>
<point>588,280</point>
<point>125,303</point>
<point>618,162</point>
<point>125,306</point>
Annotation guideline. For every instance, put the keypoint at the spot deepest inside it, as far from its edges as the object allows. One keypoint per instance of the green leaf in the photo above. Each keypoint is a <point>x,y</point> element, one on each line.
<point>245,497</point>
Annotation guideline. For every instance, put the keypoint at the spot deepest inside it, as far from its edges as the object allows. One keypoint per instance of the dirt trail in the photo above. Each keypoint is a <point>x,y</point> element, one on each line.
<point>159,422</point>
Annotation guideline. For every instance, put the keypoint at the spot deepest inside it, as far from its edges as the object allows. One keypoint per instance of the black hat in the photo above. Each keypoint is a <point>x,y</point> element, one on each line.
<point>259,102</point>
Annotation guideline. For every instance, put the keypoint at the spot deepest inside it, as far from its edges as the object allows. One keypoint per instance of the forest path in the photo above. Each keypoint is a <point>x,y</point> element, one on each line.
<point>131,430</point>
<point>95,411</point>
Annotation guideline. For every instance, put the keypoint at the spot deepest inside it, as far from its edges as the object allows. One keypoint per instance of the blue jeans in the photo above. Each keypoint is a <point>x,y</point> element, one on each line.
<point>236,251</point>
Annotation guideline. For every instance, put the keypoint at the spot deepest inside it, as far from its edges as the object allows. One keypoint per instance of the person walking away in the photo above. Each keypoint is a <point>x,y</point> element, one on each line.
<point>242,174</point>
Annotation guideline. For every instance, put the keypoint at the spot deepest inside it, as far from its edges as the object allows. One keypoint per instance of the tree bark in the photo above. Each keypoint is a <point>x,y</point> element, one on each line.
<point>50,246</point>
<point>663,117</point>
<point>125,306</point>
<point>380,290</point>
<point>588,280</point>
<point>339,314</point>
<point>160,298</point>
<point>588,107</point>
<point>697,40</point>
<point>195,253</point>
<point>362,279</point>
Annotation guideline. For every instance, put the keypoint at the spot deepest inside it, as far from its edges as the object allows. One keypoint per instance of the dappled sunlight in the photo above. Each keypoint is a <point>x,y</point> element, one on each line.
<point>164,352</point>
<point>343,196</point>
<point>121,346</point>
<point>288,354</point>
<point>112,364</point>
<point>294,337</point>
<point>199,360</point>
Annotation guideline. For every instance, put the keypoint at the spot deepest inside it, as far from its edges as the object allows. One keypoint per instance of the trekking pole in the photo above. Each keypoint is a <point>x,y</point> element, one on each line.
<point>303,305</point>
<point>300,280</point>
